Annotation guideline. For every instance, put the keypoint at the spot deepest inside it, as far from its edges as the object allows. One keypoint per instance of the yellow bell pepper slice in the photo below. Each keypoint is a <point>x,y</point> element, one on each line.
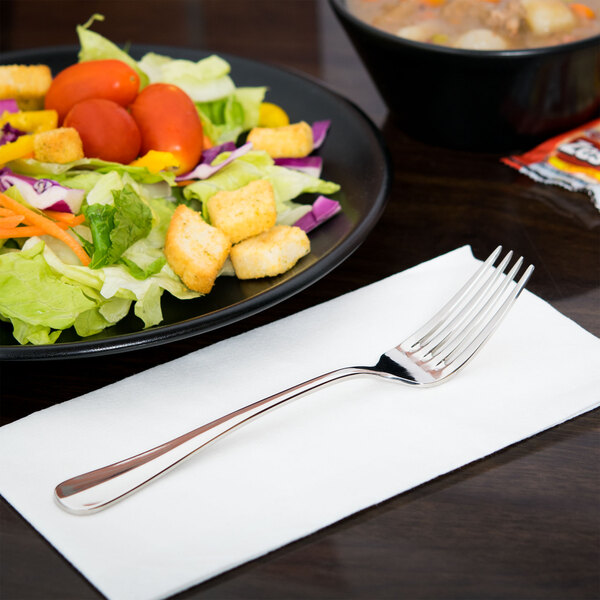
<point>21,147</point>
<point>31,121</point>
<point>271,115</point>
<point>156,161</point>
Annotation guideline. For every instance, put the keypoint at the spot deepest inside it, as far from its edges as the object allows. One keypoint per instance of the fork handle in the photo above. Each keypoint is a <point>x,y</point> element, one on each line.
<point>98,489</point>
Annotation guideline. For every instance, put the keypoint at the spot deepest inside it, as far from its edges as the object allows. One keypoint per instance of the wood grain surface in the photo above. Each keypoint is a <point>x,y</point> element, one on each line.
<point>521,524</point>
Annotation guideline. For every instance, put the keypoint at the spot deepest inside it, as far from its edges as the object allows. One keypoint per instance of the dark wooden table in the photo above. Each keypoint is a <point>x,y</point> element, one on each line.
<point>524,523</point>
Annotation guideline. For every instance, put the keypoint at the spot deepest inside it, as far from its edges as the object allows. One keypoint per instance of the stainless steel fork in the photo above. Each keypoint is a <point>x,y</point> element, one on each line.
<point>441,347</point>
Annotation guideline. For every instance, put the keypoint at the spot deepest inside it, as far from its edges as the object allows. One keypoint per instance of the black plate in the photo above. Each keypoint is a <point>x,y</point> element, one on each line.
<point>354,156</point>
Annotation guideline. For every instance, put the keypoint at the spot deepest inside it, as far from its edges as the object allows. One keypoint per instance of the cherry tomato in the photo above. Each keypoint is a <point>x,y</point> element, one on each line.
<point>106,129</point>
<point>169,122</point>
<point>108,79</point>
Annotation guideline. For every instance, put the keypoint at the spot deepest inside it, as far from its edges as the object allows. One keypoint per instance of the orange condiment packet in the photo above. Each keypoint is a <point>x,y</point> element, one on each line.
<point>570,160</point>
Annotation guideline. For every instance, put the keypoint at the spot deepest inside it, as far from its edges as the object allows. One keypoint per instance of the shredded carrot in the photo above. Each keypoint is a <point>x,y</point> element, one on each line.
<point>206,142</point>
<point>69,218</point>
<point>24,231</point>
<point>20,232</point>
<point>48,226</point>
<point>583,11</point>
<point>433,2</point>
<point>11,221</point>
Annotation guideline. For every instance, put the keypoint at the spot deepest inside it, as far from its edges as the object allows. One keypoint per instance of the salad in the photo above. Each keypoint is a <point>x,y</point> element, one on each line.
<point>123,178</point>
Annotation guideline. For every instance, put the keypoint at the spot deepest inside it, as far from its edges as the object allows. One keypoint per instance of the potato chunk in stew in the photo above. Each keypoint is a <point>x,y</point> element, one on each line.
<point>483,24</point>
<point>546,17</point>
<point>481,39</point>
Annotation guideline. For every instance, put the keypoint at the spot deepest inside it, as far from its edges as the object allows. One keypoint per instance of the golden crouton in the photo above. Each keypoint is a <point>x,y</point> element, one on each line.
<point>60,145</point>
<point>270,253</point>
<point>27,84</point>
<point>244,212</point>
<point>195,250</point>
<point>288,141</point>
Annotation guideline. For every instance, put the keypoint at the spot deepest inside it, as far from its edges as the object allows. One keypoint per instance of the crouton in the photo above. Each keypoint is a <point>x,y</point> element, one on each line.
<point>270,253</point>
<point>60,145</point>
<point>288,141</point>
<point>244,212</point>
<point>195,250</point>
<point>27,84</point>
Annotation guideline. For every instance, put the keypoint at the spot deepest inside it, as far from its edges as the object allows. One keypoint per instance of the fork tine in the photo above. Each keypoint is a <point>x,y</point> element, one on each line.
<point>472,303</point>
<point>482,331</point>
<point>476,310</point>
<point>433,325</point>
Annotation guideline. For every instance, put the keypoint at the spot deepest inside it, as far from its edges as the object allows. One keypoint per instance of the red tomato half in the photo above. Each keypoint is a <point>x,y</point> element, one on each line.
<point>108,79</point>
<point>169,122</point>
<point>106,129</point>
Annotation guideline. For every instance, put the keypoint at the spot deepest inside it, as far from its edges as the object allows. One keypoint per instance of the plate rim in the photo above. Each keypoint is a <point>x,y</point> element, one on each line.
<point>163,334</point>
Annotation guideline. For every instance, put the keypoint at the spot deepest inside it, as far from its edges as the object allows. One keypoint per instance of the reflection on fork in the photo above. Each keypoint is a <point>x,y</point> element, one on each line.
<point>437,350</point>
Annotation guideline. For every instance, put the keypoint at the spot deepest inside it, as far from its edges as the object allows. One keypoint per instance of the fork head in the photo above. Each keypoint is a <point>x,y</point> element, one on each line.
<point>449,340</point>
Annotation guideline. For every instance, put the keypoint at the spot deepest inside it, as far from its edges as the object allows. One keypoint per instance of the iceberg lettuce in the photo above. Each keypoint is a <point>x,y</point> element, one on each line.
<point>26,333</point>
<point>203,81</point>
<point>85,172</point>
<point>287,184</point>
<point>41,295</point>
<point>225,119</point>
<point>35,298</point>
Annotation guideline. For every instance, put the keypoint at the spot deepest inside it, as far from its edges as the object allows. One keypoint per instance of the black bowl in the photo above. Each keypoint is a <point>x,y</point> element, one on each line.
<point>495,101</point>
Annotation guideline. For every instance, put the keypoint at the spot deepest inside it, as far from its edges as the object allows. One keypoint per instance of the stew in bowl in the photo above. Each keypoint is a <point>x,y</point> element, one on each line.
<point>483,24</point>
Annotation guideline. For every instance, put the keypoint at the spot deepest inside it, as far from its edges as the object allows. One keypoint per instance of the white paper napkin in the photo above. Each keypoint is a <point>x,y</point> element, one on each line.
<point>305,465</point>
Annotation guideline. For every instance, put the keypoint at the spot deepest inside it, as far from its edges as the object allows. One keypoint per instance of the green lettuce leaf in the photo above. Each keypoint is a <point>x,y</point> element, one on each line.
<point>132,222</point>
<point>96,47</point>
<point>101,222</point>
<point>115,227</point>
<point>146,256</point>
